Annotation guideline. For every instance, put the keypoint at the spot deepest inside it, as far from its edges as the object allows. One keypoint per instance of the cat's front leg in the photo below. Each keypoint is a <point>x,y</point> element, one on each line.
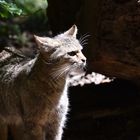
<point>28,131</point>
<point>54,129</point>
<point>33,131</point>
<point>54,132</point>
<point>59,134</point>
<point>3,131</point>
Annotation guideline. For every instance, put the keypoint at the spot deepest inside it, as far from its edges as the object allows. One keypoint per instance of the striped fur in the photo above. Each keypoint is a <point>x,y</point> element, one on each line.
<point>33,91</point>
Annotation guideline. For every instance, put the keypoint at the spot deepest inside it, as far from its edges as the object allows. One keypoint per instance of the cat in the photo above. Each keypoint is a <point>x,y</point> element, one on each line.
<point>33,91</point>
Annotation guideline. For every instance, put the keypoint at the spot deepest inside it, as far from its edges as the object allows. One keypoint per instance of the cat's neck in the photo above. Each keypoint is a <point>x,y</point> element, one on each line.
<point>42,72</point>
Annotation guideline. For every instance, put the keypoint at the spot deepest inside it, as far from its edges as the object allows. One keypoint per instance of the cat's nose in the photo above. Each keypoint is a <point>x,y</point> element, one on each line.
<point>83,60</point>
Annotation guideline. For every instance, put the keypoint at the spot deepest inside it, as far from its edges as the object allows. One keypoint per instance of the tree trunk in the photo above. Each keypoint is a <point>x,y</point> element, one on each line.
<point>114,25</point>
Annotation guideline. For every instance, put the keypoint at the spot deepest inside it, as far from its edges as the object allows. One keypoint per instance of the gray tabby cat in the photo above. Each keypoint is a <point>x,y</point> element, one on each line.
<point>33,92</point>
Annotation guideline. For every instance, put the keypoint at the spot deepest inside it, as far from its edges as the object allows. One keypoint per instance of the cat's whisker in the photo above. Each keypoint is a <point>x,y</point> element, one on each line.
<point>60,74</point>
<point>63,72</point>
<point>85,41</point>
<point>81,37</point>
<point>84,36</point>
<point>84,44</point>
<point>60,71</point>
<point>56,73</point>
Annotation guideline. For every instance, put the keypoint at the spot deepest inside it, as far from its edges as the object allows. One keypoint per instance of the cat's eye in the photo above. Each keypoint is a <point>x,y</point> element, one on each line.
<point>72,53</point>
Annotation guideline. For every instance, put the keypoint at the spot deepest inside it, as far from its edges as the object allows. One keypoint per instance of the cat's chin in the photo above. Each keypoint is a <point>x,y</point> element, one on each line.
<point>77,71</point>
<point>78,68</point>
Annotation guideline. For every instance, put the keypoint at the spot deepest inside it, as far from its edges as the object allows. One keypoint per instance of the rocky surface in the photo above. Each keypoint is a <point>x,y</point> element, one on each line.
<point>94,78</point>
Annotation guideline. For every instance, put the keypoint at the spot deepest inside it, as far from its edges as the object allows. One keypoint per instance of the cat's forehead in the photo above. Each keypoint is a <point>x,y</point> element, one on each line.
<point>70,43</point>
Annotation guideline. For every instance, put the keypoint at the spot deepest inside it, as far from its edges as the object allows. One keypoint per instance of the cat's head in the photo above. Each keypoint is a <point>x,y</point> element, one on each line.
<point>63,50</point>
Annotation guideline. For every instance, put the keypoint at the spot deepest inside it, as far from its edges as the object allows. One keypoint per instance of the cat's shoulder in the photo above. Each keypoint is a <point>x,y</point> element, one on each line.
<point>13,61</point>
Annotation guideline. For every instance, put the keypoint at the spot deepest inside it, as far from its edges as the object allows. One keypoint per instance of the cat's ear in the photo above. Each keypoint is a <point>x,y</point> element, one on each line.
<point>46,43</point>
<point>72,31</point>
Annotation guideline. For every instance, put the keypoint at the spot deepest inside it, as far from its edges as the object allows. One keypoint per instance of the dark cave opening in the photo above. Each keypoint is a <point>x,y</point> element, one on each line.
<point>109,111</point>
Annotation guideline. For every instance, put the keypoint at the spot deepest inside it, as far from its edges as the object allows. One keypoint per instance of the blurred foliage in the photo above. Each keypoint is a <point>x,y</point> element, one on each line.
<point>19,19</point>
<point>8,9</point>
<point>31,6</point>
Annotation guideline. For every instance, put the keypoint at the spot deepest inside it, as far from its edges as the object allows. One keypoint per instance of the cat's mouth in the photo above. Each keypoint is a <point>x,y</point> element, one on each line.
<point>79,65</point>
<point>80,68</point>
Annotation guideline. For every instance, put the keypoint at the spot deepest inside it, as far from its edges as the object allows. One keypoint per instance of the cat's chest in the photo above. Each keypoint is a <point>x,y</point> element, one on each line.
<point>61,109</point>
<point>63,102</point>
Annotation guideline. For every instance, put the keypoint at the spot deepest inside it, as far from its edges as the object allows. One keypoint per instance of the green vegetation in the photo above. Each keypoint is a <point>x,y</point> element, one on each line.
<point>32,6</point>
<point>18,7</point>
<point>8,9</point>
<point>19,19</point>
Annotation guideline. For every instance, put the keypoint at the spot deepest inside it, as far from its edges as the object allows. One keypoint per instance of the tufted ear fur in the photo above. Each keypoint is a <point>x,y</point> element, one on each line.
<point>46,43</point>
<point>72,31</point>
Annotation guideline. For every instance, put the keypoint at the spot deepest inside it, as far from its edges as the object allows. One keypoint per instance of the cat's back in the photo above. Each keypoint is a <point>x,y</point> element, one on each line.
<point>12,63</point>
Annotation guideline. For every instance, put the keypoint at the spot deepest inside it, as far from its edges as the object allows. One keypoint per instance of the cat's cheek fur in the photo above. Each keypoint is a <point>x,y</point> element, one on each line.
<point>78,71</point>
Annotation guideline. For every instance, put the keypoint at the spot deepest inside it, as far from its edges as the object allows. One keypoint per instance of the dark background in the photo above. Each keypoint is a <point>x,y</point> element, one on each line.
<point>109,111</point>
